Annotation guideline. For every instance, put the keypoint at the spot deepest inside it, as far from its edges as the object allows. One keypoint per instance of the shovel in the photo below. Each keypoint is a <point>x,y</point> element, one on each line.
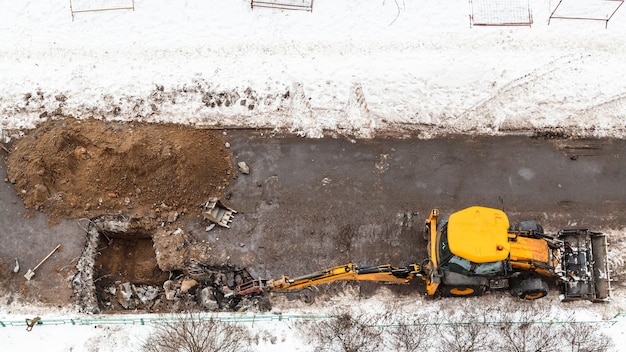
<point>31,272</point>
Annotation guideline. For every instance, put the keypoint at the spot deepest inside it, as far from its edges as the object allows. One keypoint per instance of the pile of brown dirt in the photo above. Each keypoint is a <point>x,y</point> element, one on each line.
<point>81,168</point>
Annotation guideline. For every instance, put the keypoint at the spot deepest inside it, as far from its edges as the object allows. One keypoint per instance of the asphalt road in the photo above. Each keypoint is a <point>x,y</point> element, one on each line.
<point>525,175</point>
<point>314,203</point>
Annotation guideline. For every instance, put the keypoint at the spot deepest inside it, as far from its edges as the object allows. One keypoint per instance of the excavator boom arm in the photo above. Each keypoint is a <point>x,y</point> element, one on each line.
<point>348,272</point>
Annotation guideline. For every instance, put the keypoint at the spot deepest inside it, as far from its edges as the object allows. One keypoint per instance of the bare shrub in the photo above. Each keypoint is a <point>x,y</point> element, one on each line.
<point>344,332</point>
<point>410,334</point>
<point>528,330</point>
<point>464,329</point>
<point>581,337</point>
<point>529,337</point>
<point>197,333</point>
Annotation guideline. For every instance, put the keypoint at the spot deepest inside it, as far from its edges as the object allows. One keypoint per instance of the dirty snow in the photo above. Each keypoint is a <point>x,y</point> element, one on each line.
<point>358,67</point>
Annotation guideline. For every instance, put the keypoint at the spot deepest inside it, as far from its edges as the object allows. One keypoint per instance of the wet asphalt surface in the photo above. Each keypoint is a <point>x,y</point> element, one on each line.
<point>308,204</point>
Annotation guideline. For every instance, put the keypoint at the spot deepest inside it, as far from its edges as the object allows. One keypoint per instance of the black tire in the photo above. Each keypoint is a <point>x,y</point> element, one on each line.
<point>461,291</point>
<point>307,295</point>
<point>530,289</point>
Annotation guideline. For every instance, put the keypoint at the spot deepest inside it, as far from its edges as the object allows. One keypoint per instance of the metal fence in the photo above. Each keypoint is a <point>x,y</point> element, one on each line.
<point>303,5</point>
<point>251,319</point>
<point>81,6</point>
<point>592,10</point>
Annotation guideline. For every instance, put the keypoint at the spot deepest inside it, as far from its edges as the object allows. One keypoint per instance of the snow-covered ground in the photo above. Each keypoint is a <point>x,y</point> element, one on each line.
<point>356,67</point>
<point>278,330</point>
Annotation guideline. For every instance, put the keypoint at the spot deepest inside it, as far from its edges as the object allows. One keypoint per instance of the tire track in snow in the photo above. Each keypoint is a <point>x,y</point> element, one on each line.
<point>518,87</point>
<point>597,113</point>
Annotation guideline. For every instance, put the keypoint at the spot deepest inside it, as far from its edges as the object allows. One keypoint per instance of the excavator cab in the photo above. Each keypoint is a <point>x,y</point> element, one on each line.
<point>467,251</point>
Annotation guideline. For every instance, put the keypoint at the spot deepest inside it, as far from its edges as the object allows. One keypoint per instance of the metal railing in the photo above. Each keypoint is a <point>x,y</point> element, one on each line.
<point>303,5</point>
<point>255,318</point>
<point>606,18</point>
<point>101,9</point>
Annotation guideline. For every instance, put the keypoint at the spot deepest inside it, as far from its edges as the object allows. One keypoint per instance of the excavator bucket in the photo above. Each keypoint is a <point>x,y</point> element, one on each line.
<point>585,265</point>
<point>218,213</point>
<point>251,287</point>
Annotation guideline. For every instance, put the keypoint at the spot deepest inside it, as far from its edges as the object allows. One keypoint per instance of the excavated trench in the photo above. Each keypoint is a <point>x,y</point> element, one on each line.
<point>131,265</point>
<point>155,174</point>
<point>126,272</point>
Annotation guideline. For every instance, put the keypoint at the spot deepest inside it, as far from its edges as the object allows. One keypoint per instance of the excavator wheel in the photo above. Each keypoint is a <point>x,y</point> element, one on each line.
<point>461,291</point>
<point>530,288</point>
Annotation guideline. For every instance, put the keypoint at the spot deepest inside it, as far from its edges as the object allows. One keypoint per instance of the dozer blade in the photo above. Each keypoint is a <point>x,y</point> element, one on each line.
<point>585,265</point>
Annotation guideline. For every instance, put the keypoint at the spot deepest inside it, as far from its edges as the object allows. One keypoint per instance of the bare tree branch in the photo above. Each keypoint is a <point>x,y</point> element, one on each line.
<point>528,330</point>
<point>197,333</point>
<point>411,334</point>
<point>464,329</point>
<point>344,332</point>
<point>580,337</point>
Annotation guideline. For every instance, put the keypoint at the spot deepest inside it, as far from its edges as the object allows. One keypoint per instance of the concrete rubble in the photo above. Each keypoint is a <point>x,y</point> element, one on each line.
<point>243,167</point>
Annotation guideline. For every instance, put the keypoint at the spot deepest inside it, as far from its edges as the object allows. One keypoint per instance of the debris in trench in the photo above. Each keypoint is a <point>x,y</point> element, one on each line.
<point>216,212</point>
<point>213,294</point>
<point>146,293</point>
<point>130,296</point>
<point>170,290</point>
<point>124,295</point>
<point>16,269</point>
<point>187,284</point>
<point>208,300</point>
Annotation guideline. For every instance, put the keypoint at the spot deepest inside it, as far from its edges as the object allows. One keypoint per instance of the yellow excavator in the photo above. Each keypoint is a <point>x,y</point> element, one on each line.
<point>477,249</point>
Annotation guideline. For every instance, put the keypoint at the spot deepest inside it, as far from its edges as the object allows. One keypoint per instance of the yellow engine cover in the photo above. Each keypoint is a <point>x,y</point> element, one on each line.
<point>530,250</point>
<point>479,234</point>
